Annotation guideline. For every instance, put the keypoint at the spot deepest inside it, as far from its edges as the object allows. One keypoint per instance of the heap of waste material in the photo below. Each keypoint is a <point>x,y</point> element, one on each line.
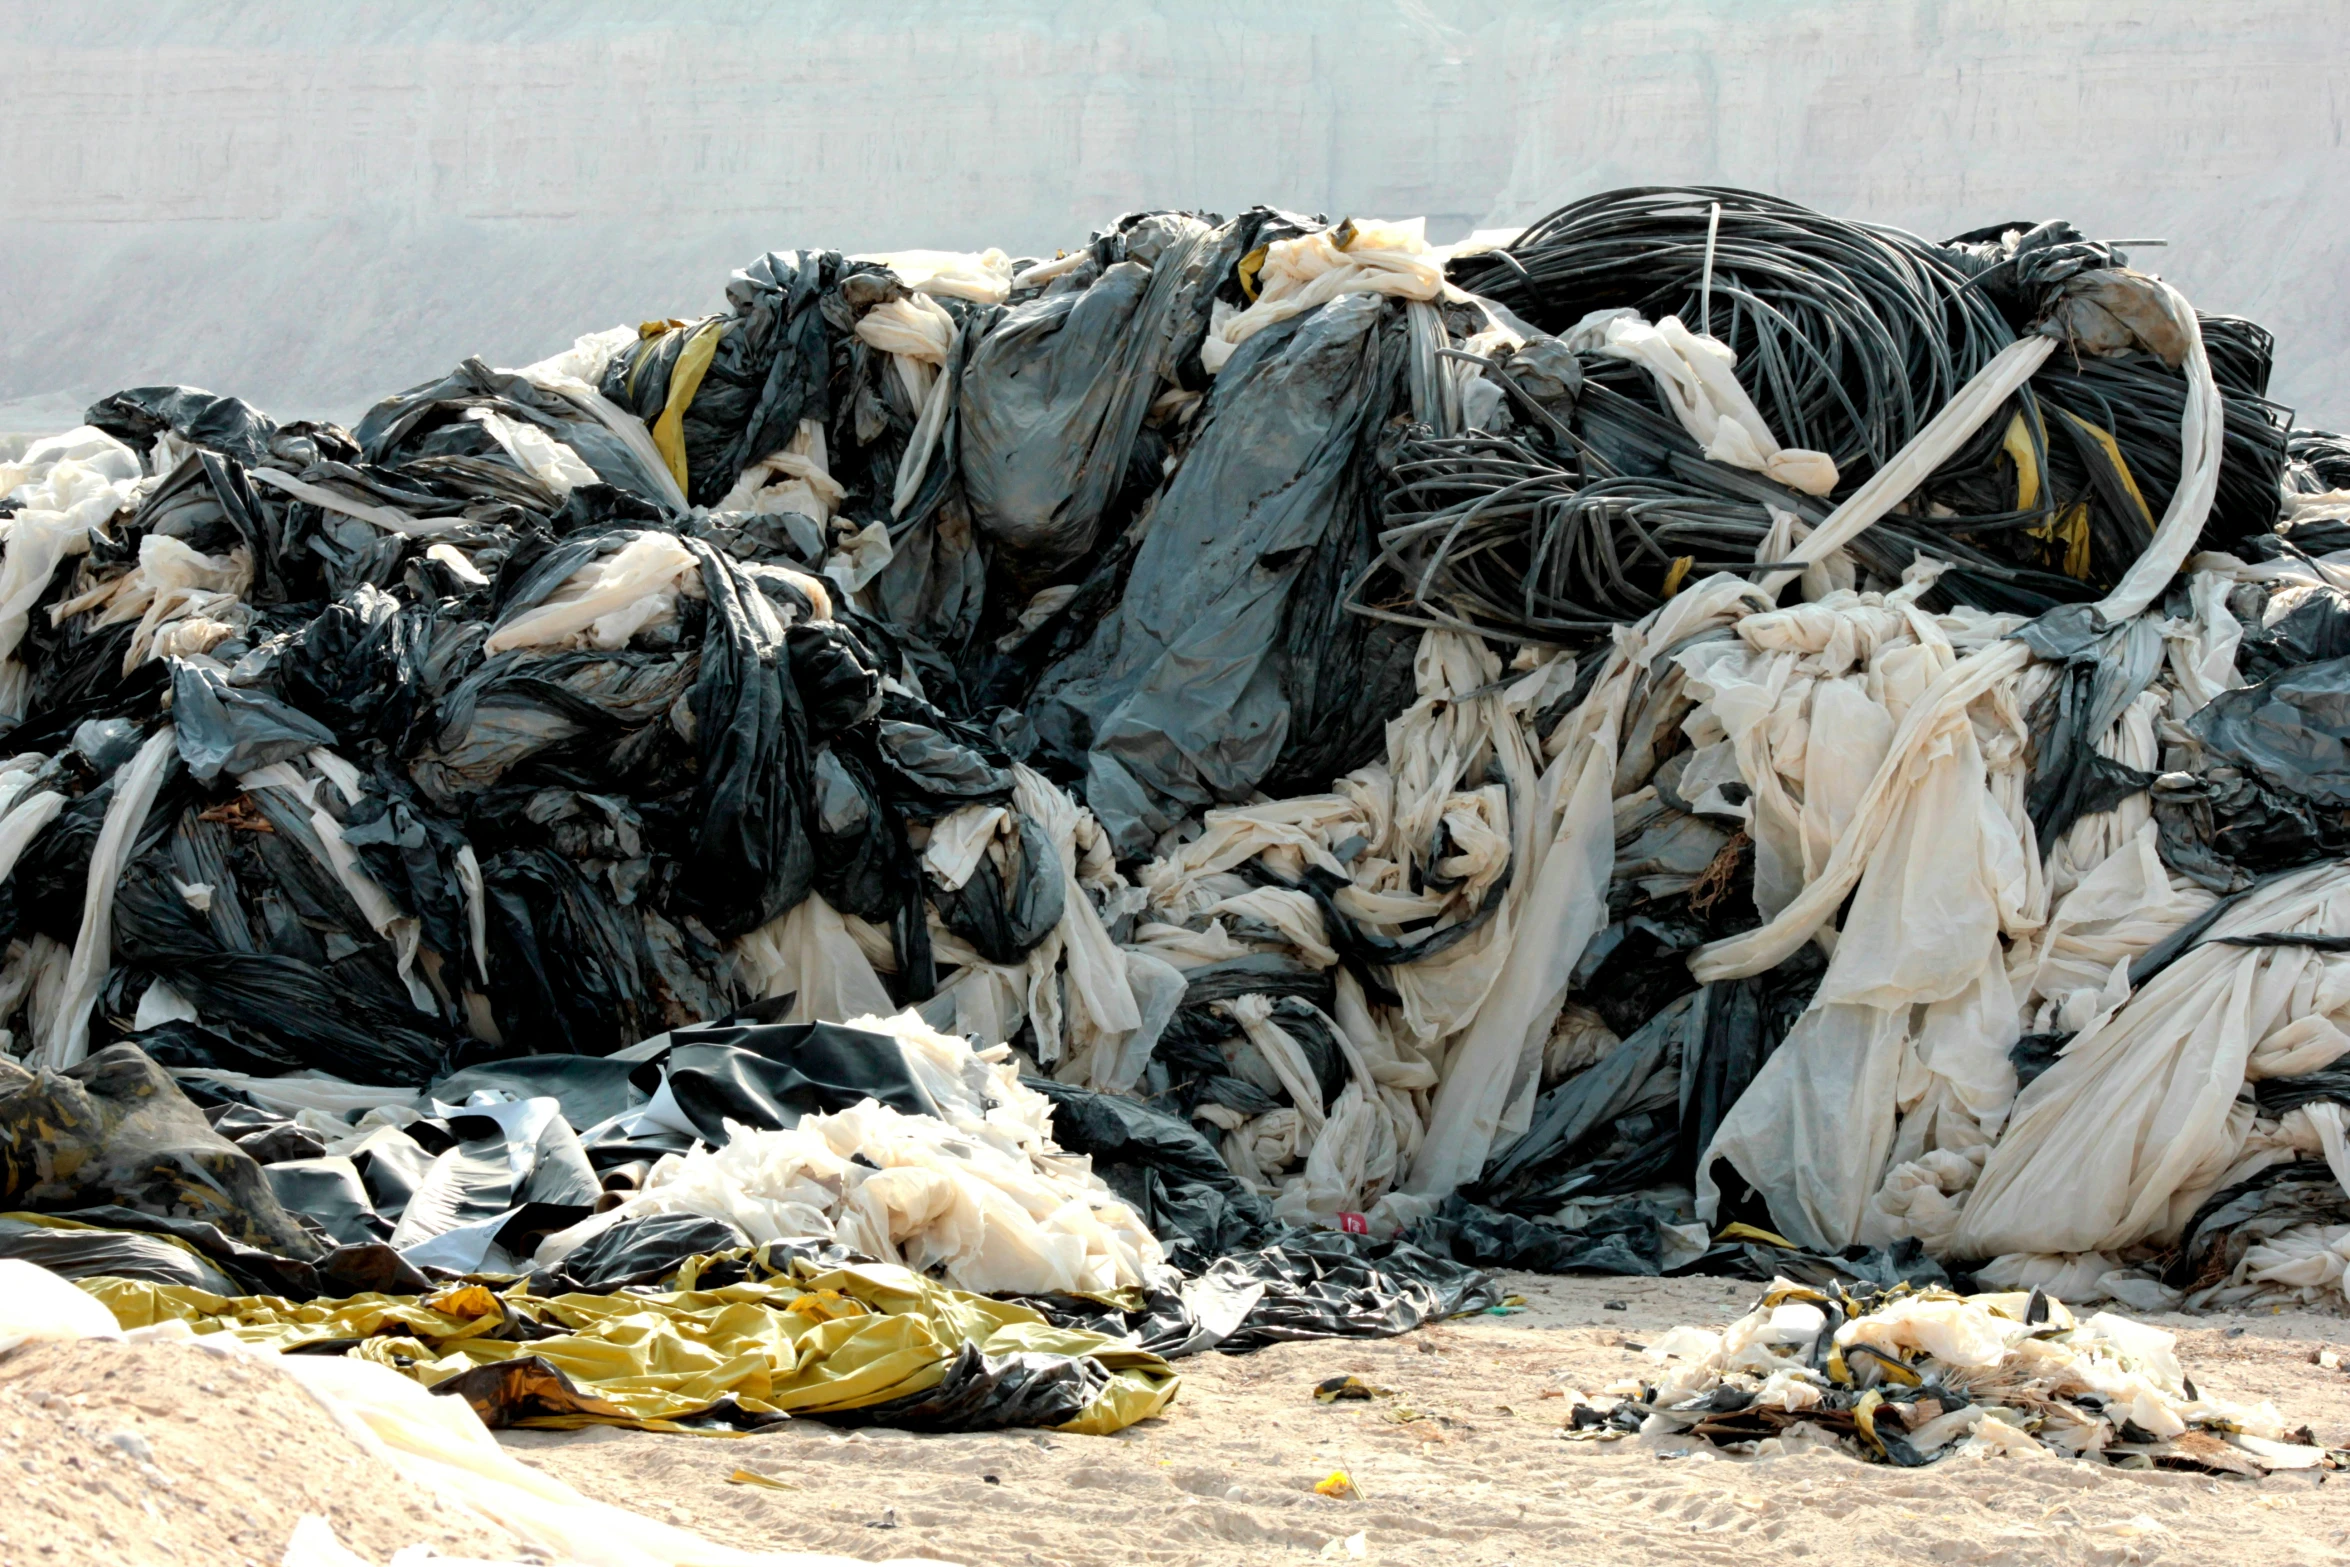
<point>1212,787</point>
<point>1907,1377</point>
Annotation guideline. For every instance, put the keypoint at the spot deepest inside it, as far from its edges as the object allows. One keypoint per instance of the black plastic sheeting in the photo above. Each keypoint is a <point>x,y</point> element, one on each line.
<point>1227,664</point>
<point>1309,1283</point>
<point>1627,1239</point>
<point>1164,1168</point>
<point>531,1387</point>
<point>75,1253</point>
<point>626,810</point>
<point>1644,1114</point>
<point>1322,1284</point>
<point>2234,1219</point>
<point>2292,729</point>
<point>769,1075</point>
<point>1052,399</point>
<point>984,1392</point>
<point>642,1250</point>
<point>373,1268</point>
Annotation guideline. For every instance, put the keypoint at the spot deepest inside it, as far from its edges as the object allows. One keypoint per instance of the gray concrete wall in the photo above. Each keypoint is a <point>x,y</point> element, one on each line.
<point>314,204</point>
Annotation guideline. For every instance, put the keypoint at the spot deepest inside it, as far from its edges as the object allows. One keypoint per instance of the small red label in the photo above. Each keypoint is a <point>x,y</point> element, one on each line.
<point>1354,1224</point>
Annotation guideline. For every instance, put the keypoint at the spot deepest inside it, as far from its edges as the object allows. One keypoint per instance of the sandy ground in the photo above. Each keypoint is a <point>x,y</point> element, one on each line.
<point>139,1455</point>
<point>1464,1466</point>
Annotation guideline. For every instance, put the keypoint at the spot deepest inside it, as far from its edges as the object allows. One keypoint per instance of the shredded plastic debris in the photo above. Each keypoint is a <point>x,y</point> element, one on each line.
<point>1910,1377</point>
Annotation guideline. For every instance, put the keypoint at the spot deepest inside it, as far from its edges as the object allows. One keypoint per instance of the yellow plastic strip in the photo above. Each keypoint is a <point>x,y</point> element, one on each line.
<point>2113,453</point>
<point>693,362</point>
<point>1250,265</point>
<point>1753,1232</point>
<point>2018,446</point>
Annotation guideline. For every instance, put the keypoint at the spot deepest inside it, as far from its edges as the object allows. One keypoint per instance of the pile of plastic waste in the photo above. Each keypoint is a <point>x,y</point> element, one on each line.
<point>1220,782</point>
<point>1909,1377</point>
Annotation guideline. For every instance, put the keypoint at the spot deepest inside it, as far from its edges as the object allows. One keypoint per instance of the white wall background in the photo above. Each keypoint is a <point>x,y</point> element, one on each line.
<point>313,204</point>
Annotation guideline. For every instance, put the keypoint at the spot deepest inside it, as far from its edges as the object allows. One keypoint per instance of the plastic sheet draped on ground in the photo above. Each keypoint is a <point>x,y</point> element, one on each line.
<point>1241,774</point>
<point>873,1342</point>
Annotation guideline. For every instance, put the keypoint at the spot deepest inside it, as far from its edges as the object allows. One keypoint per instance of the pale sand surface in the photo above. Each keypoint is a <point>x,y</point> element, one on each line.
<point>141,1455</point>
<point>1479,1476</point>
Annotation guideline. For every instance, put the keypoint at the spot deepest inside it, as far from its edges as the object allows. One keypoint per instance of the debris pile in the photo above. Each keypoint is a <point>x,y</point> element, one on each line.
<point>1909,1377</point>
<point>1217,784</point>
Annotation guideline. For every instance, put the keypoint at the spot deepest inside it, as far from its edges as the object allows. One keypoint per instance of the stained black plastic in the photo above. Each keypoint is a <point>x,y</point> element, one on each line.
<point>768,1075</point>
<point>2293,729</point>
<point>1054,395</point>
<point>115,1129</point>
<point>221,728</point>
<point>983,1392</point>
<point>643,1250</point>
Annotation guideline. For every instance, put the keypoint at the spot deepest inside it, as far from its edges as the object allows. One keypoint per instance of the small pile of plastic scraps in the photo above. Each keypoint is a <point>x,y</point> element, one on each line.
<point>1910,1377</point>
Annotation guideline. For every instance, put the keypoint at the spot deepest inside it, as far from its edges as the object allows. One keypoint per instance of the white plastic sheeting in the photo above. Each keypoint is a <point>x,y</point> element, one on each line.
<point>1914,1015</point>
<point>2140,1119</point>
<point>1699,379</point>
<point>135,788</point>
<point>983,1195</point>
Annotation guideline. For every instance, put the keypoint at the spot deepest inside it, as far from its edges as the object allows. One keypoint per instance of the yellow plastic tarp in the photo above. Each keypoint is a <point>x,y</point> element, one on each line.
<point>832,1340</point>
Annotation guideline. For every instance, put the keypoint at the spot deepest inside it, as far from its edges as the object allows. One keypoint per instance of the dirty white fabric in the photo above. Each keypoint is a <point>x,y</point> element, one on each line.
<point>551,462</point>
<point>574,375</point>
<point>2078,965</point>
<point>808,953</point>
<point>1699,379</point>
<point>2020,1377</point>
<point>1914,1014</point>
<point>28,812</point>
<point>1361,256</point>
<point>608,600</point>
<point>959,839</point>
<point>174,592</point>
<point>919,335</point>
<point>796,484</point>
<point>65,487</point>
<point>1422,848</point>
<point>1096,1010</point>
<point>1564,852</point>
<point>389,518</point>
<point>984,277</point>
<point>795,479</point>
